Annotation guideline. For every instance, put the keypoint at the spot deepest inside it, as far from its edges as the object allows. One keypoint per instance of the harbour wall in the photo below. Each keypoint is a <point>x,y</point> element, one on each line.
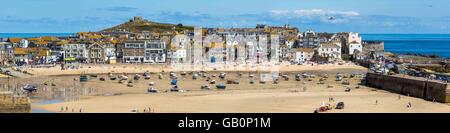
<point>412,86</point>
<point>11,104</point>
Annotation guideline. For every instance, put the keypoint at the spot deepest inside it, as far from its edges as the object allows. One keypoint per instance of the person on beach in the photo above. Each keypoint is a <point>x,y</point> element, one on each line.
<point>399,97</point>
<point>67,108</point>
<point>62,109</point>
<point>376,102</point>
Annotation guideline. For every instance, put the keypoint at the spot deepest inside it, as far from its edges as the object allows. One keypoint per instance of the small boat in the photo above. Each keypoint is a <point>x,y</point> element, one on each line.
<point>347,89</point>
<point>137,77</point>
<point>83,78</point>
<point>194,76</point>
<point>152,90</point>
<point>121,81</point>
<point>93,75</point>
<point>212,82</point>
<point>345,82</point>
<point>252,82</point>
<point>112,78</point>
<point>262,82</point>
<point>174,89</point>
<point>151,84</point>
<point>123,77</point>
<point>130,85</point>
<point>146,75</point>
<point>276,81</point>
<point>221,86</point>
<point>222,75</point>
<point>205,87</point>
<point>160,76</point>
<point>173,82</point>
<point>183,74</point>
<point>102,79</point>
<point>298,77</point>
<point>30,88</point>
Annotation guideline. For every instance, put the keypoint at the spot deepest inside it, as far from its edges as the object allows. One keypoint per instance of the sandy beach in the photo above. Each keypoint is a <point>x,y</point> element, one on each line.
<point>291,96</point>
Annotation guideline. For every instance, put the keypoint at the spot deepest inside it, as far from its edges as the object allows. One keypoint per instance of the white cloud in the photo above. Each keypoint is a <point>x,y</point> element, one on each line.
<point>314,13</point>
<point>321,15</point>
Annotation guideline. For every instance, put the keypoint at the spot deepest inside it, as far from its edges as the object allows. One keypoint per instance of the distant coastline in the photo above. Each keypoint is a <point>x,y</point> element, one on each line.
<point>33,35</point>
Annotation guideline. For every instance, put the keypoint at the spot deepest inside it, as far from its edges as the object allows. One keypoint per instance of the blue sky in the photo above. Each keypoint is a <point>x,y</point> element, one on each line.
<point>365,16</point>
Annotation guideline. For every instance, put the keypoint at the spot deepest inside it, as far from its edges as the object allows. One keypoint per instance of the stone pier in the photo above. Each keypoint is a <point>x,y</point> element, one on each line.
<point>14,104</point>
<point>412,86</point>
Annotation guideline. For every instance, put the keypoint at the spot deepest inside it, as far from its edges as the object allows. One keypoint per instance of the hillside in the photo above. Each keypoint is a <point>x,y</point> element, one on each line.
<point>137,24</point>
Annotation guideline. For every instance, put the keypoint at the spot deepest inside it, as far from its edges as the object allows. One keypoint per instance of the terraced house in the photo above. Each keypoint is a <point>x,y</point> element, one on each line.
<point>75,52</point>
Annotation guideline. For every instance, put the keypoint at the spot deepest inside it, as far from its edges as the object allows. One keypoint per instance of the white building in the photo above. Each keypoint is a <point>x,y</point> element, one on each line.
<point>354,37</point>
<point>303,55</point>
<point>354,46</point>
<point>330,50</point>
<point>155,51</point>
<point>75,51</point>
<point>110,53</point>
<point>178,55</point>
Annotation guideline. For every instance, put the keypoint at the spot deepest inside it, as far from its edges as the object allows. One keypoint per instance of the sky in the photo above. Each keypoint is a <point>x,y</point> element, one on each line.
<point>364,16</point>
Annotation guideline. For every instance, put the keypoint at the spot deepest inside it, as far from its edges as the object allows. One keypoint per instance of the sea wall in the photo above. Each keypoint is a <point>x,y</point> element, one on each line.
<point>412,86</point>
<point>11,104</point>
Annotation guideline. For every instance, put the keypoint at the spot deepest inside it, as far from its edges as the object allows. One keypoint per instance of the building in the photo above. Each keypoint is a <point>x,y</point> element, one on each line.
<point>96,53</point>
<point>75,52</point>
<point>354,42</point>
<point>155,51</point>
<point>303,55</point>
<point>354,47</point>
<point>6,53</point>
<point>309,39</point>
<point>133,51</point>
<point>330,50</point>
<point>25,56</point>
<point>110,53</point>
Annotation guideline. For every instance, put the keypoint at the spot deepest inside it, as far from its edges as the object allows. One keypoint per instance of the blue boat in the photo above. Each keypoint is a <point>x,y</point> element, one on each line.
<point>173,82</point>
<point>83,78</point>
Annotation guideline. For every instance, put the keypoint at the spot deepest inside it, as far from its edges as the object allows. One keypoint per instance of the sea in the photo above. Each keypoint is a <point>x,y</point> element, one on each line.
<point>425,44</point>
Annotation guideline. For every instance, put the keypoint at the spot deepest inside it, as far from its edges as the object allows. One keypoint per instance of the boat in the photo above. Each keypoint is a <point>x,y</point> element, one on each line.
<point>205,87</point>
<point>221,86</point>
<point>151,83</point>
<point>123,77</point>
<point>212,82</point>
<point>30,88</point>
<point>173,82</point>
<point>130,84</point>
<point>137,77</point>
<point>83,78</point>
<point>174,89</point>
<point>152,90</point>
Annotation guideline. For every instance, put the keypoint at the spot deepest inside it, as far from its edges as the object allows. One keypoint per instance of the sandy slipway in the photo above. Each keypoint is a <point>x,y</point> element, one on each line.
<point>286,96</point>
